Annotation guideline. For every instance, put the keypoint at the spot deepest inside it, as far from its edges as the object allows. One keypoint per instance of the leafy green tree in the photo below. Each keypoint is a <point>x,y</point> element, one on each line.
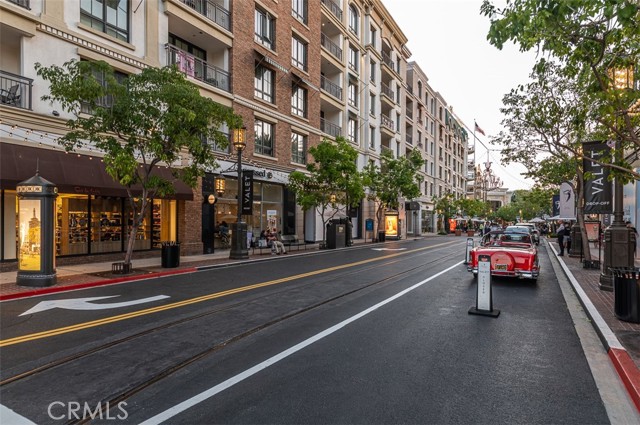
<point>446,206</point>
<point>393,179</point>
<point>332,182</point>
<point>472,207</point>
<point>148,120</point>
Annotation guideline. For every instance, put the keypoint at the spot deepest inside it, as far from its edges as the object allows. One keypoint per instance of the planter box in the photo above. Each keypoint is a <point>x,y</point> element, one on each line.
<point>458,232</point>
<point>121,268</point>
<point>471,232</point>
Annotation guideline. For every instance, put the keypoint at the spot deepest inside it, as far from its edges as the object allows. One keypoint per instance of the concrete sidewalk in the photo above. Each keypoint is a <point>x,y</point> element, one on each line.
<point>621,339</point>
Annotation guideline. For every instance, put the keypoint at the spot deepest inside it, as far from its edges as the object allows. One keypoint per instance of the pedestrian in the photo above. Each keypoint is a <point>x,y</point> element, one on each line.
<point>277,247</point>
<point>560,234</point>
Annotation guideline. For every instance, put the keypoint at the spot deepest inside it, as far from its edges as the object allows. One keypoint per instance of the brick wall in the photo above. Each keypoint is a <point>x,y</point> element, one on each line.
<point>190,223</point>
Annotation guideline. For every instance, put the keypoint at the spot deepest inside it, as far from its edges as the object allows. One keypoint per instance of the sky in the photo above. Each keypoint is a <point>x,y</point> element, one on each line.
<point>447,39</point>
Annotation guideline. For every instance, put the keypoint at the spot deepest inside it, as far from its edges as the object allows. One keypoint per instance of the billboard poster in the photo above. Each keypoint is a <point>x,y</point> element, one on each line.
<point>598,197</point>
<point>556,206</point>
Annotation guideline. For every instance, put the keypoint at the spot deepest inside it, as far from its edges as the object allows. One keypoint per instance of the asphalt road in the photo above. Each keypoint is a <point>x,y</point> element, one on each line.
<point>349,336</point>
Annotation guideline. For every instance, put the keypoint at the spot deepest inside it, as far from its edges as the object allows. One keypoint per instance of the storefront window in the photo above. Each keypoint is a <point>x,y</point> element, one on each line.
<point>164,217</point>
<point>106,225</point>
<point>143,232</point>
<point>72,225</point>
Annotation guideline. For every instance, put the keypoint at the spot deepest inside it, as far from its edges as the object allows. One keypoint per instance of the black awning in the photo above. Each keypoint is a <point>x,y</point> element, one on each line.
<point>71,173</point>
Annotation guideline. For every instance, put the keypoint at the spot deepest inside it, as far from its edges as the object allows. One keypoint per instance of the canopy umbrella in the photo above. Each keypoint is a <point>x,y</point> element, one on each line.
<point>536,220</point>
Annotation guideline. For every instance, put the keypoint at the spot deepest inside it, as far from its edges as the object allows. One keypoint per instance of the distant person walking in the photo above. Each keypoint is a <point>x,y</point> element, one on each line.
<point>560,234</point>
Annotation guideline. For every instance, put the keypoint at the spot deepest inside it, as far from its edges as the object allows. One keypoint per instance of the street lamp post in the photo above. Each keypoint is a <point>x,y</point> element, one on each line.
<point>239,249</point>
<point>618,239</point>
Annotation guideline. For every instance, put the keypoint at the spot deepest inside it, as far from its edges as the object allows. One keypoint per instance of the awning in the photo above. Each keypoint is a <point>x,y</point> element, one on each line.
<point>272,62</point>
<point>304,81</point>
<point>71,173</point>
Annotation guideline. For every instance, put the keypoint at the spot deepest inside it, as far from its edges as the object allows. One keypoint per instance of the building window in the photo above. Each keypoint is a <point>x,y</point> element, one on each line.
<point>265,29</point>
<point>353,58</point>
<point>109,17</point>
<point>397,122</point>
<point>299,101</point>
<point>353,92</point>
<point>354,18</point>
<point>263,84</point>
<point>299,9</point>
<point>372,36</point>
<point>352,130</point>
<point>372,137</point>
<point>264,138</point>
<point>105,101</point>
<point>298,148</point>
<point>372,103</point>
<point>298,53</point>
<point>372,72</point>
<point>398,93</point>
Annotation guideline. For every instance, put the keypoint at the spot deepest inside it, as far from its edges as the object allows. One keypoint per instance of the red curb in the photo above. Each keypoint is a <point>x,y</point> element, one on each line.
<point>628,372</point>
<point>53,290</point>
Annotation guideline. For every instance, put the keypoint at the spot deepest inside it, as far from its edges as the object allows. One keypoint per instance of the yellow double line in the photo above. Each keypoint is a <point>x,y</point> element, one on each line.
<point>152,310</point>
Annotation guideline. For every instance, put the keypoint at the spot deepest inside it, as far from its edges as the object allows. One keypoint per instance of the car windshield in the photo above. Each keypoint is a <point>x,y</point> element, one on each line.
<point>508,239</point>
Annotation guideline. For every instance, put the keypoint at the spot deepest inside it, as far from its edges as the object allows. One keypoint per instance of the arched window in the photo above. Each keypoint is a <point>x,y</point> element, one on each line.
<point>419,89</point>
<point>354,18</point>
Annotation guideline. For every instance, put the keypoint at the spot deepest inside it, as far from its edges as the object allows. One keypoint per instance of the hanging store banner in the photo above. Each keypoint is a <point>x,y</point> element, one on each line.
<point>556,206</point>
<point>567,201</point>
<point>247,192</point>
<point>598,197</point>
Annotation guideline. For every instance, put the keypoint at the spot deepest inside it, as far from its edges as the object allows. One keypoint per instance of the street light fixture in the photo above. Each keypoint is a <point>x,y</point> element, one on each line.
<point>619,241</point>
<point>220,185</point>
<point>239,249</point>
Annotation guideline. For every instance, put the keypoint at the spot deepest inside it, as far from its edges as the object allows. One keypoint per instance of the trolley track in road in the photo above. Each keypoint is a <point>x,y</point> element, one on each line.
<point>116,398</point>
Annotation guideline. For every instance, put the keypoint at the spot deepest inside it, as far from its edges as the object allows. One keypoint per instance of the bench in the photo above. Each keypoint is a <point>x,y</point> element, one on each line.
<point>292,240</point>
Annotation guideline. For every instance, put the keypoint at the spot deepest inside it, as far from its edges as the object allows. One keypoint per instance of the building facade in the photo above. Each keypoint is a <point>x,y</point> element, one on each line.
<point>297,72</point>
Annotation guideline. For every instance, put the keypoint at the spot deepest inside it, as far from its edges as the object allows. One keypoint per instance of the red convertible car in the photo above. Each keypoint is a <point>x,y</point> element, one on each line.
<point>513,254</point>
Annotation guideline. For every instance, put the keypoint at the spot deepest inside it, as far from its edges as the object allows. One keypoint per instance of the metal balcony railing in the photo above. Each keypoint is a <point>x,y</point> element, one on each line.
<point>386,59</point>
<point>409,139</point>
<point>331,88</point>
<point>15,90</point>
<point>330,128</point>
<point>409,114</point>
<point>387,122</point>
<point>386,90</point>
<point>212,11</point>
<point>198,69</point>
<point>334,8</point>
<point>332,47</point>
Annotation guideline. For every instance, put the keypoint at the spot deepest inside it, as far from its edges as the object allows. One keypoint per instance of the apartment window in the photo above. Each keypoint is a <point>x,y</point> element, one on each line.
<point>354,18</point>
<point>419,137</point>
<point>353,92</point>
<point>372,103</point>
<point>431,189</point>
<point>298,53</point>
<point>353,58</point>
<point>265,29</point>
<point>298,148</point>
<point>398,64</point>
<point>372,137</point>
<point>440,171</point>
<point>397,122</point>
<point>299,101</point>
<point>372,72</point>
<point>352,130</point>
<point>263,138</point>
<point>373,32</point>
<point>194,68</point>
<point>299,9</point>
<point>263,84</point>
<point>105,101</point>
<point>109,17</point>
<point>398,93</point>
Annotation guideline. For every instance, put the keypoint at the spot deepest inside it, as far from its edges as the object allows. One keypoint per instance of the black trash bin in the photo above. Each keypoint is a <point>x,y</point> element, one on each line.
<point>382,236</point>
<point>170,256</point>
<point>626,289</point>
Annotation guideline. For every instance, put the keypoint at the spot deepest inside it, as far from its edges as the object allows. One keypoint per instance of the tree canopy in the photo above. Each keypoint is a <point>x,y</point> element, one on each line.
<point>146,120</point>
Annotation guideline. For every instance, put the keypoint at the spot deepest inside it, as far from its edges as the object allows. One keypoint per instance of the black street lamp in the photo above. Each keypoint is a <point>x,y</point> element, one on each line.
<point>619,240</point>
<point>239,249</point>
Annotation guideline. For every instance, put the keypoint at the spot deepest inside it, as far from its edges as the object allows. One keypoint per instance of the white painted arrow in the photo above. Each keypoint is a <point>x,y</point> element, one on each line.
<point>85,304</point>
<point>388,249</point>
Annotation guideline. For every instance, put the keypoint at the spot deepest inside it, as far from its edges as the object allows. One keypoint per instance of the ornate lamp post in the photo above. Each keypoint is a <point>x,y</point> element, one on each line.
<point>618,239</point>
<point>239,249</point>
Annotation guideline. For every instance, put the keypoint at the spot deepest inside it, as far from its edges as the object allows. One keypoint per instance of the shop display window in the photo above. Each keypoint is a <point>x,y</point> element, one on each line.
<point>106,224</point>
<point>143,233</point>
<point>72,225</point>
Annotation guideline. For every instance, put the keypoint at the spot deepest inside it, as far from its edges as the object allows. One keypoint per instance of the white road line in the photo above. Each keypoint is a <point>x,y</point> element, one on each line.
<point>8,416</point>
<point>179,408</point>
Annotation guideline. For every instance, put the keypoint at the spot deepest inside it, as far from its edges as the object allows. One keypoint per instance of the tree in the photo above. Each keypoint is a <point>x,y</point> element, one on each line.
<point>590,38</point>
<point>472,207</point>
<point>393,179</point>
<point>447,207</point>
<point>148,120</point>
<point>332,182</point>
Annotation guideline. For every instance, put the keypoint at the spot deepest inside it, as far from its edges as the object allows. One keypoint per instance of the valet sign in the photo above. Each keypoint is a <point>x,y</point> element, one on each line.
<point>484,296</point>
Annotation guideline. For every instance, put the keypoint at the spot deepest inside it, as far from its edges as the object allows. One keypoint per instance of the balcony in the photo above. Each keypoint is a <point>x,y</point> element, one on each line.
<point>212,11</point>
<point>386,59</point>
<point>198,69</point>
<point>386,91</point>
<point>15,90</point>
<point>334,8</point>
<point>331,88</point>
<point>330,128</point>
<point>387,122</point>
<point>409,114</point>
<point>331,47</point>
<point>409,139</point>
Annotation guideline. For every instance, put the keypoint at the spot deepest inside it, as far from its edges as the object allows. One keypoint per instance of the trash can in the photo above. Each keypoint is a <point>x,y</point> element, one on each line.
<point>382,236</point>
<point>626,289</point>
<point>336,234</point>
<point>170,256</point>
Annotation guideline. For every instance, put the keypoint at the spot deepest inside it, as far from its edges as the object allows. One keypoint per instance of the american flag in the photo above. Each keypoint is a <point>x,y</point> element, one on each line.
<point>478,129</point>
